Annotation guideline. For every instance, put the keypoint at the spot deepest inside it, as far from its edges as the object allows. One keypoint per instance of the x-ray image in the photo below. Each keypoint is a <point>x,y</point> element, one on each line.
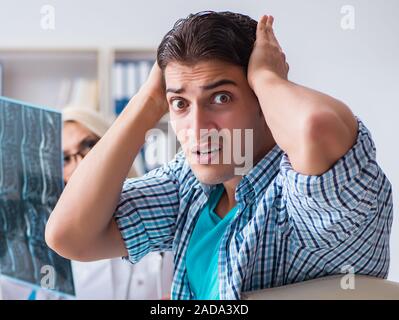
<point>30,185</point>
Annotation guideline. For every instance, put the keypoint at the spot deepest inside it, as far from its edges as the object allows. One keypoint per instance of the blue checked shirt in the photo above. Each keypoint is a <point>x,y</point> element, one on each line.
<point>288,227</point>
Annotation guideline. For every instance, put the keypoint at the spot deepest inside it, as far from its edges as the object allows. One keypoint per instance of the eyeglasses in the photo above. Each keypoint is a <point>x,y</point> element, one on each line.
<point>84,148</point>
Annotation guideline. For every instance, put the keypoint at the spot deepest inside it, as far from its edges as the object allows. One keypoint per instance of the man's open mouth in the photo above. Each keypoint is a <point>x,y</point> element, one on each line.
<point>208,150</point>
<point>205,154</point>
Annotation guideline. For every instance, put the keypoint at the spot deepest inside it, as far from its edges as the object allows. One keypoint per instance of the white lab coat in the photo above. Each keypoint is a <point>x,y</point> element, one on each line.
<point>109,279</point>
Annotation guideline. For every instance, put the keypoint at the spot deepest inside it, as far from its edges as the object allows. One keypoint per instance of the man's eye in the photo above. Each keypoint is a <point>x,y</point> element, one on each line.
<point>178,104</point>
<point>221,98</point>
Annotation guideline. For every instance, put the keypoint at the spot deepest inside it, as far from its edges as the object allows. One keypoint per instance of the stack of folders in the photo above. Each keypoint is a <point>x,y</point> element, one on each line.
<point>128,76</point>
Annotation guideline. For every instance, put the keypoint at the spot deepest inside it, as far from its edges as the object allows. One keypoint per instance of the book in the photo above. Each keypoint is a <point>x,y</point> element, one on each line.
<point>128,76</point>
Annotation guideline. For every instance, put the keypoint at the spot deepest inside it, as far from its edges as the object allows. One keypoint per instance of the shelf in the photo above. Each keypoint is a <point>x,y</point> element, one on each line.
<point>133,54</point>
<point>36,76</point>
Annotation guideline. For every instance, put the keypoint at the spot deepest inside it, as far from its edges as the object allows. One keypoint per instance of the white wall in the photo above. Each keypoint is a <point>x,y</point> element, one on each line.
<point>360,66</point>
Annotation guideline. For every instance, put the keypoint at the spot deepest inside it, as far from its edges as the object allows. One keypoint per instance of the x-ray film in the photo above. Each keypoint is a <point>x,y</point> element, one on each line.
<point>30,185</point>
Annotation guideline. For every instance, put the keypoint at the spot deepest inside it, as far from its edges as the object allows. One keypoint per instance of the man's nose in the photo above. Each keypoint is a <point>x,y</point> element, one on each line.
<point>200,122</point>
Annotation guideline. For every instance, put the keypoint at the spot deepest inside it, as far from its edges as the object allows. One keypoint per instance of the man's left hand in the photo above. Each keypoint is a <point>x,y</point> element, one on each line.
<point>267,58</point>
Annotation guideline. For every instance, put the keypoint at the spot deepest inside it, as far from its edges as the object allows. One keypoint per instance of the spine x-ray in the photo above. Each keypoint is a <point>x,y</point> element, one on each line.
<point>30,185</point>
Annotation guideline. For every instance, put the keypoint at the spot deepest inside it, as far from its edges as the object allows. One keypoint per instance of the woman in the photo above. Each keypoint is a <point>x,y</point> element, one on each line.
<point>104,279</point>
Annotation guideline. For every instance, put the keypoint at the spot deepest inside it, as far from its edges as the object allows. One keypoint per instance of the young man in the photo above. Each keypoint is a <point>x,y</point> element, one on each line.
<point>314,203</point>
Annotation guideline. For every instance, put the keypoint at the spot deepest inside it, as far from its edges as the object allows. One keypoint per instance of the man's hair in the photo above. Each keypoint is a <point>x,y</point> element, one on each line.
<point>209,35</point>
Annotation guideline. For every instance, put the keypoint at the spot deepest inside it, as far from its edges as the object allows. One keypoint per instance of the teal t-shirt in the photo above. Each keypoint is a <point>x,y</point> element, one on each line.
<point>203,249</point>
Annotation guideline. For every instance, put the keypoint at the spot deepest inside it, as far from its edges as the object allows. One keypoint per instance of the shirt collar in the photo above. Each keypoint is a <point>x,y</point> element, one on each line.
<point>255,182</point>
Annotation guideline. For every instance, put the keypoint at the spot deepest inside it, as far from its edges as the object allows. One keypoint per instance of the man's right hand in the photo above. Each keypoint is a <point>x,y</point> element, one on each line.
<point>82,227</point>
<point>154,89</point>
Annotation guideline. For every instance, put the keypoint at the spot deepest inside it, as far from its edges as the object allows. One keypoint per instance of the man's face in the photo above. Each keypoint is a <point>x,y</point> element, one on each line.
<point>214,96</point>
<point>77,141</point>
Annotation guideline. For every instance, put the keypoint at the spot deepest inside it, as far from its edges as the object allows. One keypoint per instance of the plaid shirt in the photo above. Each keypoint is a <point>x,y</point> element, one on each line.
<point>289,227</point>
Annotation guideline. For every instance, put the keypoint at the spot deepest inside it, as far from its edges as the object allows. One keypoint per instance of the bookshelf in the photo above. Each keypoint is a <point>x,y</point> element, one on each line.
<point>49,77</point>
<point>39,76</point>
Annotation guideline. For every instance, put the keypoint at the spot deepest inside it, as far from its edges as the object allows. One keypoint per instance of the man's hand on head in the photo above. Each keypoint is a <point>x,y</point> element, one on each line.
<point>315,130</point>
<point>267,58</point>
<point>154,89</point>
